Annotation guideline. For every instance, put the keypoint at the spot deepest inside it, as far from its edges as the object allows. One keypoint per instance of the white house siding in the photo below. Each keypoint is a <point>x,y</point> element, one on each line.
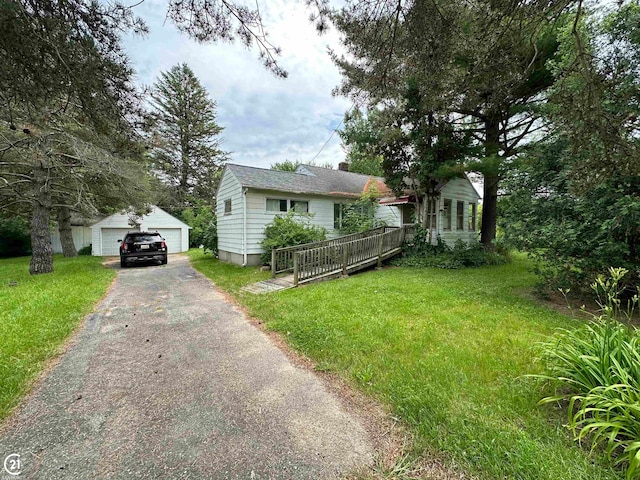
<point>459,189</point>
<point>390,215</point>
<point>81,238</point>
<point>230,232</point>
<point>257,216</point>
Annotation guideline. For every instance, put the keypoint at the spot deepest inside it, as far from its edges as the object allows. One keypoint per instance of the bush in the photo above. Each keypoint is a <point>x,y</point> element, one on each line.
<point>420,253</point>
<point>597,369</point>
<point>209,238</point>
<point>289,230</point>
<point>360,216</point>
<point>15,240</point>
<point>199,218</point>
<point>85,250</point>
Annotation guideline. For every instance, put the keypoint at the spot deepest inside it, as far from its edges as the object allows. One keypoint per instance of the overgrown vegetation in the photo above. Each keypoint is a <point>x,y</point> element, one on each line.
<point>360,215</point>
<point>201,218</point>
<point>289,230</point>
<point>37,314</point>
<point>14,237</point>
<point>419,252</point>
<point>573,237</point>
<point>595,372</point>
<point>446,351</point>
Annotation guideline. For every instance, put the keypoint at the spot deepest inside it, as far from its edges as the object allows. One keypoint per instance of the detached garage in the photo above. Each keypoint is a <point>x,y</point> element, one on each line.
<point>106,233</point>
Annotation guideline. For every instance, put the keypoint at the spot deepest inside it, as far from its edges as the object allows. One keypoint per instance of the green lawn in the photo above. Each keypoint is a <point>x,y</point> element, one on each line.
<point>445,350</point>
<point>39,313</point>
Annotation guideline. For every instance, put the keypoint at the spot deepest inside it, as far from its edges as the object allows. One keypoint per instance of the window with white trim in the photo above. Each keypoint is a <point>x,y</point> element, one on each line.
<point>460,216</point>
<point>276,205</point>
<point>227,207</point>
<point>281,205</point>
<point>446,214</point>
<point>472,217</point>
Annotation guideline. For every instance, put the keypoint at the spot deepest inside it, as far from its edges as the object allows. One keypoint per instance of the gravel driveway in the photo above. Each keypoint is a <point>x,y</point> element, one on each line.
<point>166,379</point>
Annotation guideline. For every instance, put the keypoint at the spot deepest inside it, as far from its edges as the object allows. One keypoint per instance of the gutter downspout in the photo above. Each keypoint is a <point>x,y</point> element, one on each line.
<point>244,227</point>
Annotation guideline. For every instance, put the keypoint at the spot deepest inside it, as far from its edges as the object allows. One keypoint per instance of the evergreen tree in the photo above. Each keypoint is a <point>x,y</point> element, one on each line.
<point>359,140</point>
<point>185,136</point>
<point>66,106</point>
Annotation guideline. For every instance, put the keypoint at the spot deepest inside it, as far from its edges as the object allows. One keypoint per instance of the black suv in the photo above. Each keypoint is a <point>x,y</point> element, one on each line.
<point>142,247</point>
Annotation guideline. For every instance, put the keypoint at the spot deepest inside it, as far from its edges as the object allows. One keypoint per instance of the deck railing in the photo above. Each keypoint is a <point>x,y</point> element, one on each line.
<point>346,257</point>
<point>282,258</point>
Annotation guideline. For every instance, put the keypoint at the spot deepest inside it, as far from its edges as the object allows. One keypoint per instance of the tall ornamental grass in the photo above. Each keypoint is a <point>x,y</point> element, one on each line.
<point>596,369</point>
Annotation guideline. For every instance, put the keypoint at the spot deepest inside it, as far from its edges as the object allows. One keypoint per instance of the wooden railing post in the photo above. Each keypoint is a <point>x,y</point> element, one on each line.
<point>380,246</point>
<point>273,263</point>
<point>345,259</point>
<point>295,269</point>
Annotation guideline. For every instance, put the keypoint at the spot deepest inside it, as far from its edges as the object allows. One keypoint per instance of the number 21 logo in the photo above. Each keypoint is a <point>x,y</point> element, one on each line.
<point>12,464</point>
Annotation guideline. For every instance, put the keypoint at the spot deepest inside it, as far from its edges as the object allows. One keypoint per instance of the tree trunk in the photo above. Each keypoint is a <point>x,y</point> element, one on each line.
<point>42,256</point>
<point>489,209</point>
<point>66,238</point>
<point>491,181</point>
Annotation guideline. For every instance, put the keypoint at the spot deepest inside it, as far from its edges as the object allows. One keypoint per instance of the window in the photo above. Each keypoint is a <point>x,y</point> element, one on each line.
<point>276,205</point>
<point>472,217</point>
<point>300,206</point>
<point>227,207</point>
<point>280,205</point>
<point>338,214</point>
<point>446,215</point>
<point>431,213</point>
<point>460,216</point>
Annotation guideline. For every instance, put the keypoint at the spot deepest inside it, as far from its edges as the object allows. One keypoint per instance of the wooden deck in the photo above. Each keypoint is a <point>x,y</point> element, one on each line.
<point>329,259</point>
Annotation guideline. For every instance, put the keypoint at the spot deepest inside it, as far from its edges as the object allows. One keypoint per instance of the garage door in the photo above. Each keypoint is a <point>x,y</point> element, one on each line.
<point>110,237</point>
<point>173,237</point>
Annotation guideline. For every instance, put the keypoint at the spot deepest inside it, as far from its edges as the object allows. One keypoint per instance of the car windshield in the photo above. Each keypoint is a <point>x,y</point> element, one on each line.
<point>150,237</point>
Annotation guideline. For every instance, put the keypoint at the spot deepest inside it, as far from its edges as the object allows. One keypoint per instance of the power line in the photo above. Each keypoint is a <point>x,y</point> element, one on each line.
<point>353,106</point>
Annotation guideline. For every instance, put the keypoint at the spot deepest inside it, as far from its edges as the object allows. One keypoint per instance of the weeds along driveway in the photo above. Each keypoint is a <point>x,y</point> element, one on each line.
<point>168,380</point>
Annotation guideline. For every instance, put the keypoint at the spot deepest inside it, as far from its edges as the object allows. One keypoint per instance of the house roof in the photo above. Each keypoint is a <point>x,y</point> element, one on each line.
<point>307,179</point>
<point>121,220</point>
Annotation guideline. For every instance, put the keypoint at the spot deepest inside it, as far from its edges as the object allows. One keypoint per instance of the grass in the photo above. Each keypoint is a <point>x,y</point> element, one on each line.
<point>39,313</point>
<point>446,350</point>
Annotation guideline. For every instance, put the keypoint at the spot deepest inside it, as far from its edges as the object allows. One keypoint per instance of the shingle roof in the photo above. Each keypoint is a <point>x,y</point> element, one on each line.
<point>306,179</point>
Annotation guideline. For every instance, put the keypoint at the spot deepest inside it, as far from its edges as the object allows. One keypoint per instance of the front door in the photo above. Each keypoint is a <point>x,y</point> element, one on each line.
<point>408,214</point>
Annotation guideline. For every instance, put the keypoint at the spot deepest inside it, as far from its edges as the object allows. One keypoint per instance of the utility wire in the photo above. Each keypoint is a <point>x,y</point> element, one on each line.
<point>353,106</point>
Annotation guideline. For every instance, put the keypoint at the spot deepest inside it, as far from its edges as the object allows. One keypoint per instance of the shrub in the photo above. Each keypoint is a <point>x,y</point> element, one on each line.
<point>360,216</point>
<point>209,238</point>
<point>420,253</point>
<point>85,250</point>
<point>199,218</point>
<point>289,230</point>
<point>15,240</point>
<point>596,368</point>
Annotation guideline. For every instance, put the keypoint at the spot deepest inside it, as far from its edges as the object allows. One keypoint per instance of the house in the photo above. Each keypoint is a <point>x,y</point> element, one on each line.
<point>451,214</point>
<point>248,198</point>
<point>106,233</point>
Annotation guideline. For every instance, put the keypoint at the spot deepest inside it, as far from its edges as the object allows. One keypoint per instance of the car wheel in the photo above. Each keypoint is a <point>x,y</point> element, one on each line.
<point>164,261</point>
<point>123,264</point>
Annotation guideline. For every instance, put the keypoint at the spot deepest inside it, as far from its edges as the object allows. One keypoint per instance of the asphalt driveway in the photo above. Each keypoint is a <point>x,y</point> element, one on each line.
<point>168,380</point>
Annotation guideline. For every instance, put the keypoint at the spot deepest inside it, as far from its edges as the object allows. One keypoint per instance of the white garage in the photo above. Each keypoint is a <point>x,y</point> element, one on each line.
<point>106,233</point>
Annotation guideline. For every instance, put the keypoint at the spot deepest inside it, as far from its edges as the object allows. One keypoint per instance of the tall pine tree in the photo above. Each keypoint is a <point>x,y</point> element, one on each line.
<point>185,133</point>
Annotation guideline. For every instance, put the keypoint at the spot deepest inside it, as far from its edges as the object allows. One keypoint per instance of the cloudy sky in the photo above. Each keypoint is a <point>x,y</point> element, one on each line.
<point>266,119</point>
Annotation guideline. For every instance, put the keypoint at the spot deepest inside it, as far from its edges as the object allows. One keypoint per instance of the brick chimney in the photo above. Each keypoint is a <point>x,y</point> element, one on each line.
<point>343,166</point>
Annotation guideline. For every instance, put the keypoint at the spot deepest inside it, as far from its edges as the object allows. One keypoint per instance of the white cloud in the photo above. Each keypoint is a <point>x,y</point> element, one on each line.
<point>266,119</point>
